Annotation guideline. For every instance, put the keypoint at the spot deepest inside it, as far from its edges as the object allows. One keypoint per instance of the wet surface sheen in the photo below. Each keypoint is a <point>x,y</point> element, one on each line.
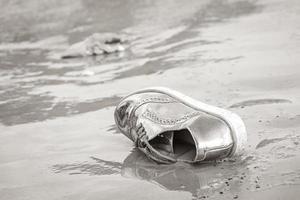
<point>57,134</point>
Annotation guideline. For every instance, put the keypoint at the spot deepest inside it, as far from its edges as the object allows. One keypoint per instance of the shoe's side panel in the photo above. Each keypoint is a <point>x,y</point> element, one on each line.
<point>234,122</point>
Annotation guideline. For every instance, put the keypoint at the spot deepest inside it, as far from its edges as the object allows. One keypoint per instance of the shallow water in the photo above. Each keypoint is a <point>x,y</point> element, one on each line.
<point>57,134</point>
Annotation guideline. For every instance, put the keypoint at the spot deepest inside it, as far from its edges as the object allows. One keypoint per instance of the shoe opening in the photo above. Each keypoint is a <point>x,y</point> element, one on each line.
<point>177,144</point>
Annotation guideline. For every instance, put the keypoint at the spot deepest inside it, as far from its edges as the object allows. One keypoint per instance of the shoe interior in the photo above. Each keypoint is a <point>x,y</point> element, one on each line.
<point>177,144</point>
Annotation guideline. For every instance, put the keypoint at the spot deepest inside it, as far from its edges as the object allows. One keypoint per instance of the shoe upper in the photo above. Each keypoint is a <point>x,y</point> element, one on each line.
<point>167,130</point>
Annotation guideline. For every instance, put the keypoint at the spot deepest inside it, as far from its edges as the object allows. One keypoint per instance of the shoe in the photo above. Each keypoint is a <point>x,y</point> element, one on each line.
<point>169,126</point>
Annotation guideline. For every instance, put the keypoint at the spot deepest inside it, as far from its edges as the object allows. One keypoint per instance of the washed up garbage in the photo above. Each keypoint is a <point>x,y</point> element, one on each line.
<point>96,44</point>
<point>169,126</point>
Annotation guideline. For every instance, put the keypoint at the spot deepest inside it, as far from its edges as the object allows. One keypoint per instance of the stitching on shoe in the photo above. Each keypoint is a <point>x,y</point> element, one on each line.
<point>154,100</point>
<point>132,123</point>
<point>165,121</point>
<point>149,100</point>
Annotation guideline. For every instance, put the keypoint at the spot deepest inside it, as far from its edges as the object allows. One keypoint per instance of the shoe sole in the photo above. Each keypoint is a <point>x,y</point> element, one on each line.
<point>234,122</point>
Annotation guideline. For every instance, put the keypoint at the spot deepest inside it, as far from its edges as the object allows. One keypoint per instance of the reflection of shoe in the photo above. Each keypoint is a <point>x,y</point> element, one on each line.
<point>169,126</point>
<point>177,177</point>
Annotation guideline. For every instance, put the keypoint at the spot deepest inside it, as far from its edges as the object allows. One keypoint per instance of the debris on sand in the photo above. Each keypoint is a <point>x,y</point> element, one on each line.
<point>96,44</point>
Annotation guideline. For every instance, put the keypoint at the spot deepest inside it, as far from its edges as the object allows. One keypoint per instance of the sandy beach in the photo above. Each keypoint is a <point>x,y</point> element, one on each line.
<point>58,139</point>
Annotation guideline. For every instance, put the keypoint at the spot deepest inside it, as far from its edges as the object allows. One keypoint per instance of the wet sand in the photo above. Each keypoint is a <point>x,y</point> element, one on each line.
<point>57,134</point>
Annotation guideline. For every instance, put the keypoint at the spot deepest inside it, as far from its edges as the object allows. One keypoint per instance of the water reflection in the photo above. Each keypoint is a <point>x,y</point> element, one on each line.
<point>41,19</point>
<point>163,35</point>
<point>201,180</point>
<point>35,108</point>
